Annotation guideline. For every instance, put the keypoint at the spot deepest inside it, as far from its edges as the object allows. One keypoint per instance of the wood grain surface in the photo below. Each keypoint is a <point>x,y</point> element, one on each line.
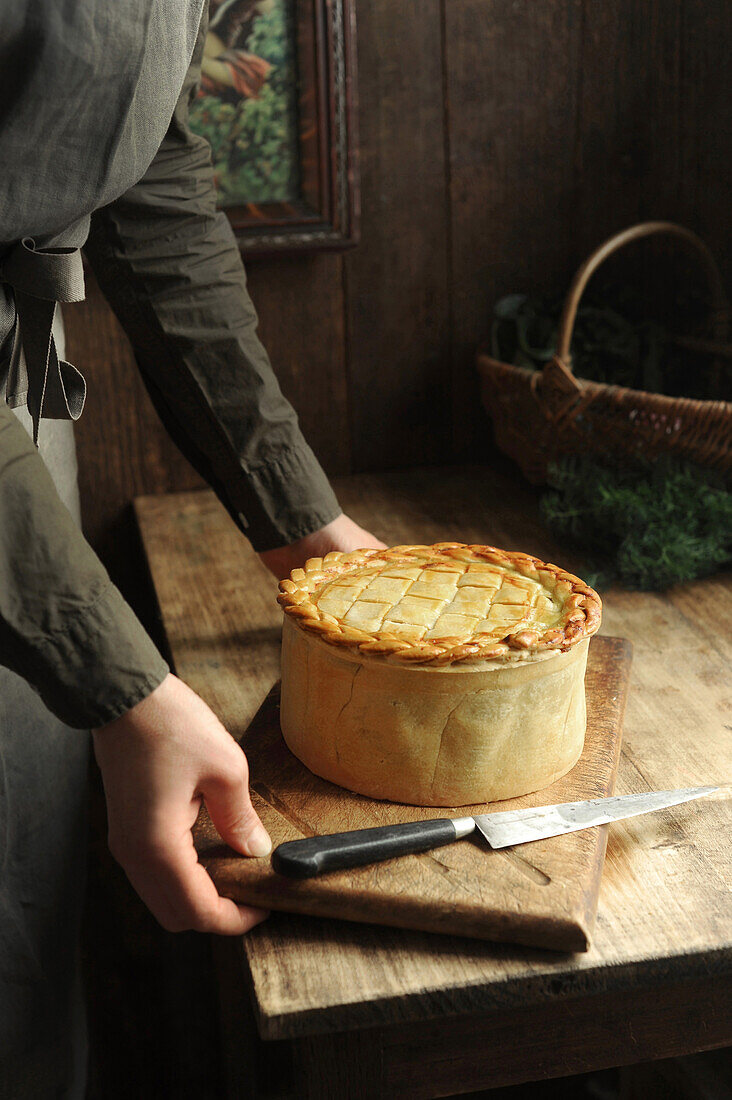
<point>446,1057</point>
<point>665,911</point>
<point>507,185</point>
<point>500,143</point>
<point>543,894</point>
<point>397,292</point>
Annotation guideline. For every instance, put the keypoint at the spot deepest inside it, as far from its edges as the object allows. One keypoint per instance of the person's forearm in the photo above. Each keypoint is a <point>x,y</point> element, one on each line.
<point>170,267</point>
<point>64,627</point>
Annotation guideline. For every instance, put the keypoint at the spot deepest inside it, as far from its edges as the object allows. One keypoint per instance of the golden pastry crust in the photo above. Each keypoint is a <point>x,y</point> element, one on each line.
<point>442,604</point>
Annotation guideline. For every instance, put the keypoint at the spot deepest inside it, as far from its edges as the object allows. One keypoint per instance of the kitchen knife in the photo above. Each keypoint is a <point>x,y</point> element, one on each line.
<point>313,855</point>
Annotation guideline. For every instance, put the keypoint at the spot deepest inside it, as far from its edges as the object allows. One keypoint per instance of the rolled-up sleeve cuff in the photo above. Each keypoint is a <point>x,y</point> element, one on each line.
<point>282,499</point>
<point>100,665</point>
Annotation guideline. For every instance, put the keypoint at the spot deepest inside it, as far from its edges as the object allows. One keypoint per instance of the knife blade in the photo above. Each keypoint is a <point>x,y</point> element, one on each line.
<point>336,851</point>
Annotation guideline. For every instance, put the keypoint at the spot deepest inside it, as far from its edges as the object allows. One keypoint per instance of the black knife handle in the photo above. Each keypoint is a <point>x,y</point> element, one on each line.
<point>315,854</point>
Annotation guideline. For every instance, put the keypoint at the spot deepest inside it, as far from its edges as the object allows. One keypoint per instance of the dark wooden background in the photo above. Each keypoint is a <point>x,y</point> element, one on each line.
<point>500,141</point>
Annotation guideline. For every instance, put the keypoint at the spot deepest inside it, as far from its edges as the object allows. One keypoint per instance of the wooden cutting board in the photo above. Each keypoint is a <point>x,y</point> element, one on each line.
<point>542,894</point>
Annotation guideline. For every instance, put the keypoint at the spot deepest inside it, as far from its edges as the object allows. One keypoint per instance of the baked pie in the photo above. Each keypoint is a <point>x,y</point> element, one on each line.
<point>442,675</point>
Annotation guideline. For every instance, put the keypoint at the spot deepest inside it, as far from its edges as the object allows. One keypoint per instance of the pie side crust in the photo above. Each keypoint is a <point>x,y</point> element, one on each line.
<point>453,736</point>
<point>446,605</point>
<point>446,675</point>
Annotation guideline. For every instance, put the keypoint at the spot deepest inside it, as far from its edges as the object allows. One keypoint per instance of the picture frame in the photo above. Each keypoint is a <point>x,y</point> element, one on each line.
<point>321,209</point>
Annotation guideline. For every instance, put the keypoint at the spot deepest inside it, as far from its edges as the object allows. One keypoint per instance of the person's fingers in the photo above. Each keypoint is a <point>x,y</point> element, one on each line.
<point>180,894</point>
<point>340,534</point>
<point>230,807</point>
<point>158,761</point>
<point>367,541</point>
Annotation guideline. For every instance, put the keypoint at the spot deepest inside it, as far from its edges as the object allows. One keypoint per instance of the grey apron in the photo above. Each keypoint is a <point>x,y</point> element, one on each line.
<point>92,86</point>
<point>43,777</point>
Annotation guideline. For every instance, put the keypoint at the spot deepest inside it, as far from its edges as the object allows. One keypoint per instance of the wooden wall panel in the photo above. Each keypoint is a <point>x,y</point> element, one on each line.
<point>627,138</point>
<point>705,116</point>
<point>512,86</point>
<point>500,141</point>
<point>300,303</point>
<point>397,279</point>
<point>651,136</point>
<point>615,118</point>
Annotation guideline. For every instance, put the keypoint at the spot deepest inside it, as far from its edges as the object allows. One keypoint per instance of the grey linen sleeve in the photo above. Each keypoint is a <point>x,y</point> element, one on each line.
<point>64,627</point>
<point>169,266</point>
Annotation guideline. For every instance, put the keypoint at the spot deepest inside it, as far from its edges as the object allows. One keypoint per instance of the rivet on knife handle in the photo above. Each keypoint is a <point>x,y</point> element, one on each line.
<point>313,855</point>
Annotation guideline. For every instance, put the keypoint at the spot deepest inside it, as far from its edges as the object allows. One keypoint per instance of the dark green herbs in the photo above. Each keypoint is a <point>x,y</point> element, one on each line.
<point>648,525</point>
<point>612,342</point>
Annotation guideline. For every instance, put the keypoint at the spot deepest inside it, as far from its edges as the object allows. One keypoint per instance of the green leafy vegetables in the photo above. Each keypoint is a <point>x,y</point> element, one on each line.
<point>611,342</point>
<point>645,524</point>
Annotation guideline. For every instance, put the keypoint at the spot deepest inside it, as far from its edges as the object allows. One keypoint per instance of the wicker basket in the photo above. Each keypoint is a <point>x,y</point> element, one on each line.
<point>540,415</point>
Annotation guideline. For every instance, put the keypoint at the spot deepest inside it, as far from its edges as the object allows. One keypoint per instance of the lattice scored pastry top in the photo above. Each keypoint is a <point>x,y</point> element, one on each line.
<point>441,604</point>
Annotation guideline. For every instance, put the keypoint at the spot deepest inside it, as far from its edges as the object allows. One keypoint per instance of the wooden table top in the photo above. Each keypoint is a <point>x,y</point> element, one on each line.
<point>665,912</point>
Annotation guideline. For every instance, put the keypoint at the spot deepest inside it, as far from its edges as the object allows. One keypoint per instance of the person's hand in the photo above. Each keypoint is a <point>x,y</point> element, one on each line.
<point>157,762</point>
<point>341,534</point>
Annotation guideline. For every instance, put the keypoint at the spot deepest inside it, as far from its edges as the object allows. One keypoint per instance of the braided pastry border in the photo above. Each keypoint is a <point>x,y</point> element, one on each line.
<point>581,608</point>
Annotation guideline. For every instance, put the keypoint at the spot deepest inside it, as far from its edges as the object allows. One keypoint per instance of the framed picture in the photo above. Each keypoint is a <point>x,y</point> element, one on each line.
<point>278,105</point>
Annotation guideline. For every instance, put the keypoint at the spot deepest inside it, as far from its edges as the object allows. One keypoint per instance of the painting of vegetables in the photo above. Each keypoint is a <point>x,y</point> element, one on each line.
<point>247,103</point>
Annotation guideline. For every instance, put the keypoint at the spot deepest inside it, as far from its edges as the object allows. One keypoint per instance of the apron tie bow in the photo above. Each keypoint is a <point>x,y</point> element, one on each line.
<point>40,278</point>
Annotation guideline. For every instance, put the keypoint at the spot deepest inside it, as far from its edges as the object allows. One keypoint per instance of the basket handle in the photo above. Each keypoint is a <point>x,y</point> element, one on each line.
<point>720,305</point>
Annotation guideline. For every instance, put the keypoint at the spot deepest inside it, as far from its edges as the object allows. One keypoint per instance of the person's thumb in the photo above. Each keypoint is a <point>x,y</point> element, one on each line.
<point>230,808</point>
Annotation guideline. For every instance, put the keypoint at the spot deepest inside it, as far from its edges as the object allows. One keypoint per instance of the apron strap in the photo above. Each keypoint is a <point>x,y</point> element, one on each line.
<point>41,278</point>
